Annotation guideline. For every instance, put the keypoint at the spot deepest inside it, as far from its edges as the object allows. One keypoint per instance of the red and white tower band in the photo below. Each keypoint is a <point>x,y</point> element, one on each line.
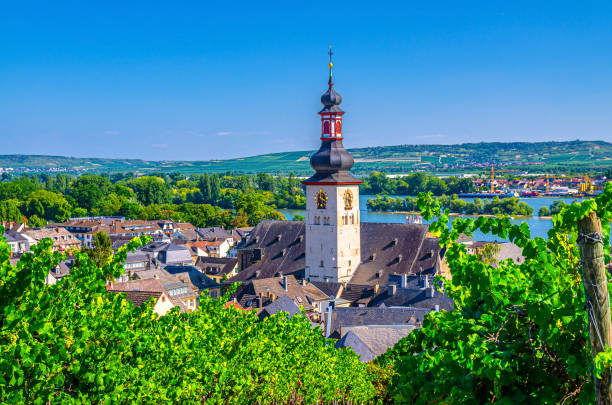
<point>331,120</point>
<point>333,229</point>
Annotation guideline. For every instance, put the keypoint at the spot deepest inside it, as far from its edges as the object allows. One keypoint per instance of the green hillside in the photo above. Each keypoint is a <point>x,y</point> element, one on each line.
<point>572,156</point>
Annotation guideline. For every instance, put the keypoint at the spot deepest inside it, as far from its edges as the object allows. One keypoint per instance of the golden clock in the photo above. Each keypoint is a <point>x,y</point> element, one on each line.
<point>321,200</point>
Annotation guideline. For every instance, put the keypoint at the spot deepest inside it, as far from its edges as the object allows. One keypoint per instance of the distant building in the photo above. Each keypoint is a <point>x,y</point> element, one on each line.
<point>62,239</point>
<point>162,305</point>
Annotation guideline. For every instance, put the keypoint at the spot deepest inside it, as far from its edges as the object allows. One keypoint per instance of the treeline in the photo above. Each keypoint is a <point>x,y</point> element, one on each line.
<point>204,200</point>
<point>415,183</point>
<point>554,209</point>
<point>452,204</point>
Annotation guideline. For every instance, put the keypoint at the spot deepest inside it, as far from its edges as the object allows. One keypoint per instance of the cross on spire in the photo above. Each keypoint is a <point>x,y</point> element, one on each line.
<point>330,53</point>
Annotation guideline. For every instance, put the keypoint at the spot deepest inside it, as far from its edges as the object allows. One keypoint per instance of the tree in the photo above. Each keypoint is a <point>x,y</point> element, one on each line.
<point>255,207</point>
<point>543,211</point>
<point>518,331</point>
<point>151,190</point>
<point>108,205</point>
<point>9,211</point>
<point>76,342</point>
<point>88,190</point>
<point>35,222</point>
<point>48,205</point>
<point>103,249</point>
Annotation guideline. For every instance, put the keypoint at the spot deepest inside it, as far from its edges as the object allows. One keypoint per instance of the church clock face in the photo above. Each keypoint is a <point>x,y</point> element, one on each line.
<point>348,200</point>
<point>321,200</point>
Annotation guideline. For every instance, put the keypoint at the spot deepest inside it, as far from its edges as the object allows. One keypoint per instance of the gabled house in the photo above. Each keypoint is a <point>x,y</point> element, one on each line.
<point>60,271</point>
<point>217,268</point>
<point>179,293</point>
<point>62,239</point>
<point>198,281</point>
<point>19,244</point>
<point>162,305</point>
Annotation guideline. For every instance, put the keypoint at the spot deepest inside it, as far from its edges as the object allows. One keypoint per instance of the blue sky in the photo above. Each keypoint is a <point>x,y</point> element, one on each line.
<point>202,80</point>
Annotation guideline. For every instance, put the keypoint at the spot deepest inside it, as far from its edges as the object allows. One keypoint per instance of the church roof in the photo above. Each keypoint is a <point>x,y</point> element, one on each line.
<point>385,249</point>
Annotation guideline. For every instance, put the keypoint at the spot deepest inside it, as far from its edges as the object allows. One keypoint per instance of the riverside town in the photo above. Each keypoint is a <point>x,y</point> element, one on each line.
<point>355,273</point>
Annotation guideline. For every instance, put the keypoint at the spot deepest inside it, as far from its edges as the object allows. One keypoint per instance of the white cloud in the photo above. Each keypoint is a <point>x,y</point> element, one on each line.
<point>224,133</point>
<point>109,132</point>
<point>160,145</point>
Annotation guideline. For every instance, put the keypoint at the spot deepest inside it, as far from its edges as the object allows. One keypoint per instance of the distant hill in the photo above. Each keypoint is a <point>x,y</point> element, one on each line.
<point>572,156</point>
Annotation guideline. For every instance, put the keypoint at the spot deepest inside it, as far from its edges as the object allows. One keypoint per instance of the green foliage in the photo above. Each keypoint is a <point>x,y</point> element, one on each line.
<point>47,205</point>
<point>150,190</point>
<point>543,212</point>
<point>74,342</point>
<point>518,332</point>
<point>102,251</point>
<point>35,222</point>
<point>415,183</point>
<point>87,190</point>
<point>452,204</point>
<point>207,200</point>
<point>9,210</point>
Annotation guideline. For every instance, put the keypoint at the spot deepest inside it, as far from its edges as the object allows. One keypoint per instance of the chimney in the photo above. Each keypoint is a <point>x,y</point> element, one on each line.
<point>437,308</point>
<point>259,301</point>
<point>273,297</point>
<point>426,281</point>
<point>285,283</point>
<point>431,291</point>
<point>376,288</point>
<point>403,280</point>
<point>330,309</point>
<point>392,289</point>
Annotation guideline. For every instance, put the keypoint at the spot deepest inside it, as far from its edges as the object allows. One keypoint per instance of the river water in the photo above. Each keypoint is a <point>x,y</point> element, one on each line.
<point>538,227</point>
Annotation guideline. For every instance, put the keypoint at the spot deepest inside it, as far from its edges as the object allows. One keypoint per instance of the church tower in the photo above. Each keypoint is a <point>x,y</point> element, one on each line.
<point>333,242</point>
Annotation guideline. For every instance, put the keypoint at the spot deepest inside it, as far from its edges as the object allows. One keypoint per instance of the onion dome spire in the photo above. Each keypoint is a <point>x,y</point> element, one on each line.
<point>331,162</point>
<point>331,99</point>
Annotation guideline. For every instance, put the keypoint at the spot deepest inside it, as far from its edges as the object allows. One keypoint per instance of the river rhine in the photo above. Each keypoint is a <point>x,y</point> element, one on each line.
<point>538,227</point>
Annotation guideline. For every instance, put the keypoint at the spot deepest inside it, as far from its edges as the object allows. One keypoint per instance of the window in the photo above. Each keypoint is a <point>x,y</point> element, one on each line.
<point>317,220</point>
<point>326,128</point>
<point>321,265</point>
<point>325,220</point>
<point>352,219</point>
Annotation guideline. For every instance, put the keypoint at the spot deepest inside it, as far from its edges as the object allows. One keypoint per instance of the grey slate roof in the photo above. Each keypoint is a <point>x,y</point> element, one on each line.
<point>169,253</point>
<point>12,236</point>
<point>191,274</point>
<point>225,264</point>
<point>282,304</point>
<point>373,340</point>
<point>284,254</point>
<point>352,316</point>
<point>412,297</point>
<point>385,249</point>
<point>352,341</point>
<point>213,233</point>
<point>329,288</point>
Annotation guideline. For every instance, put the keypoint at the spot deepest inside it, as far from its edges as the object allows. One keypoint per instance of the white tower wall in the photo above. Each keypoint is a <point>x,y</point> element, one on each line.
<point>333,243</point>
